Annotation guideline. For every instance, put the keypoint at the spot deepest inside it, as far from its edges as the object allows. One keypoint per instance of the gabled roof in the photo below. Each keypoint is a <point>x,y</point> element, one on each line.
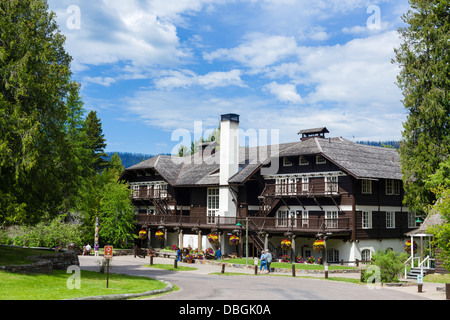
<point>358,160</point>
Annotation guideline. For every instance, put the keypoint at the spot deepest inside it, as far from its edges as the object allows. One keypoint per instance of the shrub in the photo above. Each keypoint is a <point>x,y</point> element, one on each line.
<point>390,265</point>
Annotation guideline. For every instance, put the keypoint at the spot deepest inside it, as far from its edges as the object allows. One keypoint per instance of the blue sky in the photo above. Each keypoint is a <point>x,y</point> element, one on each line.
<point>150,68</point>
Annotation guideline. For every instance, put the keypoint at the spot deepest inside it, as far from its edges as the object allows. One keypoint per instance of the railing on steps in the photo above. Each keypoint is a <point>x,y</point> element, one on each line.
<point>425,264</point>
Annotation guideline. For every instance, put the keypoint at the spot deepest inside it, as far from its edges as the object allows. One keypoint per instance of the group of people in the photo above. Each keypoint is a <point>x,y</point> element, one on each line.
<point>87,249</point>
<point>266,260</point>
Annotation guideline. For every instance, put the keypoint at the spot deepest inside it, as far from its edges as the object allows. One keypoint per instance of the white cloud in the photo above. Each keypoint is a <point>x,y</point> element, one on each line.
<point>284,92</point>
<point>103,81</point>
<point>257,50</point>
<point>187,78</point>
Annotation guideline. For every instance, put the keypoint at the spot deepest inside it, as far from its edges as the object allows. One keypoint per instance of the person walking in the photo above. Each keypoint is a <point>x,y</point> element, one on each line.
<point>263,262</point>
<point>268,259</point>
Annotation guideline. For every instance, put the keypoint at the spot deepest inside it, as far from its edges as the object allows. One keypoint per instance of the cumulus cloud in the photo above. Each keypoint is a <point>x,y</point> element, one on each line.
<point>257,50</point>
<point>186,78</point>
<point>284,92</point>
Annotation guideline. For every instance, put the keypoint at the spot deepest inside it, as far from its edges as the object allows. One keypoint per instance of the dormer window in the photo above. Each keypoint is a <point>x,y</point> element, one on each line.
<point>286,162</point>
<point>320,160</point>
<point>302,161</point>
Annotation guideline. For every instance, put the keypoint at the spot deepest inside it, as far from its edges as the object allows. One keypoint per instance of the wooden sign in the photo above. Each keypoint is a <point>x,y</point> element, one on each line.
<point>108,252</point>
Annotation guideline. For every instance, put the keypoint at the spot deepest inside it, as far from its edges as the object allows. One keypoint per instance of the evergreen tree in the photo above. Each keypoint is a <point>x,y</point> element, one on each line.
<point>36,113</point>
<point>424,79</point>
<point>96,141</point>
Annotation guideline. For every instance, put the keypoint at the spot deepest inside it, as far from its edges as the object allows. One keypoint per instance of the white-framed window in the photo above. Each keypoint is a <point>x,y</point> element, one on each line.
<point>392,187</point>
<point>320,160</point>
<point>366,186</point>
<point>304,215</point>
<point>331,184</point>
<point>366,255</point>
<point>331,219</point>
<point>367,220</point>
<point>332,255</point>
<point>286,186</point>
<point>135,190</point>
<point>305,184</point>
<point>281,218</point>
<point>390,219</point>
<point>287,162</point>
<point>212,205</point>
<point>412,220</point>
<point>302,161</point>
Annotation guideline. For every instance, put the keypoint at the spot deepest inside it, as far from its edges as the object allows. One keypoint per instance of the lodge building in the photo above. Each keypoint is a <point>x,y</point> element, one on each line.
<point>317,187</point>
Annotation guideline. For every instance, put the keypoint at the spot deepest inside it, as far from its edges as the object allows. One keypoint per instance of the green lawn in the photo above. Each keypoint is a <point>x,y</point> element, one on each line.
<point>287,265</point>
<point>18,256</point>
<point>54,287</point>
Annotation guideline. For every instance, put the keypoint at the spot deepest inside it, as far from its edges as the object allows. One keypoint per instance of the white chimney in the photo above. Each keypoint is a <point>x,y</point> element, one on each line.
<point>229,162</point>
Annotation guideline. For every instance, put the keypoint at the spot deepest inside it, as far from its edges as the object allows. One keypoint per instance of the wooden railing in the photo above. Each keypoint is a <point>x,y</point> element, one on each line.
<point>255,223</point>
<point>150,193</point>
<point>316,187</point>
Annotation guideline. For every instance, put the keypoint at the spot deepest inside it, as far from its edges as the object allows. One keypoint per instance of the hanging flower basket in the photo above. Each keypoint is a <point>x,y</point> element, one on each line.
<point>286,244</point>
<point>213,238</point>
<point>318,245</point>
<point>234,240</point>
<point>408,246</point>
<point>159,235</point>
<point>142,234</point>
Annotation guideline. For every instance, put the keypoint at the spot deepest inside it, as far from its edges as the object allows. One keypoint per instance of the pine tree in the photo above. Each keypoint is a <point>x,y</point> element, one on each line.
<point>423,58</point>
<point>96,141</point>
<point>35,136</point>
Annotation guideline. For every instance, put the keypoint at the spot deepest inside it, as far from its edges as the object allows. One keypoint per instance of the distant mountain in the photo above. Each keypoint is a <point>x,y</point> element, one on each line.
<point>393,144</point>
<point>130,159</point>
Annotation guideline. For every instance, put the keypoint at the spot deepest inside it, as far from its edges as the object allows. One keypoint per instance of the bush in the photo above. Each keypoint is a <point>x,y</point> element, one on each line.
<point>50,235</point>
<point>390,266</point>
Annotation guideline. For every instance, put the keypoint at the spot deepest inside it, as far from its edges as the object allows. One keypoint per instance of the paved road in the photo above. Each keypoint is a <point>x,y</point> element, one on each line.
<point>201,285</point>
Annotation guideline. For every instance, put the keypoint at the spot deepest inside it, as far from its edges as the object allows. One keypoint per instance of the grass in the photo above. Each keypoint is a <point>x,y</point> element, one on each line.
<point>19,256</point>
<point>54,286</point>
<point>288,265</point>
<point>437,278</point>
<point>169,267</point>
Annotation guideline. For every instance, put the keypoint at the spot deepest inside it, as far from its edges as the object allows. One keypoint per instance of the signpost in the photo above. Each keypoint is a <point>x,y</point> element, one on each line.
<point>108,255</point>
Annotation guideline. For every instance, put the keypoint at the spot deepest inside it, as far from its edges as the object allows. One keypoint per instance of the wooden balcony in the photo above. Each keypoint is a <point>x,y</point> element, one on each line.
<point>150,194</point>
<point>308,226</point>
<point>313,188</point>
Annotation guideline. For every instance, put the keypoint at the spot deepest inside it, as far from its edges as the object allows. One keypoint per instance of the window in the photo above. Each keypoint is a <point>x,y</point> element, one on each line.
<point>331,219</point>
<point>332,255</point>
<point>331,184</point>
<point>390,219</point>
<point>135,190</point>
<point>281,218</point>
<point>392,187</point>
<point>287,162</point>
<point>305,218</point>
<point>212,205</point>
<point>320,160</point>
<point>366,186</point>
<point>367,220</point>
<point>285,218</point>
<point>412,220</point>
<point>365,255</point>
<point>305,184</point>
<point>286,186</point>
<point>302,161</point>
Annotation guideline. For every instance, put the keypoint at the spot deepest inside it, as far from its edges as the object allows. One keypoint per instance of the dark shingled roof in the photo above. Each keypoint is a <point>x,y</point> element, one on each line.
<point>358,160</point>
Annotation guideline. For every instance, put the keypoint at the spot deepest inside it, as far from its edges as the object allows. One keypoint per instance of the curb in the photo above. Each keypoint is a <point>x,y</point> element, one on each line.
<point>126,296</point>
